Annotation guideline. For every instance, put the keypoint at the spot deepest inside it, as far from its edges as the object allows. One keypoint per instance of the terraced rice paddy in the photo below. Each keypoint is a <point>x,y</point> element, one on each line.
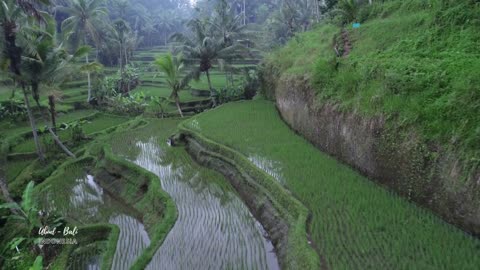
<point>14,168</point>
<point>152,82</point>
<point>13,128</point>
<point>214,229</point>
<point>356,224</point>
<point>86,257</point>
<point>78,198</point>
<point>97,124</point>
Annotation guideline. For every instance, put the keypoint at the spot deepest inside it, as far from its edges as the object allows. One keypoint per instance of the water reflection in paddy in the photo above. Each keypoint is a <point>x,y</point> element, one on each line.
<point>83,201</point>
<point>214,229</point>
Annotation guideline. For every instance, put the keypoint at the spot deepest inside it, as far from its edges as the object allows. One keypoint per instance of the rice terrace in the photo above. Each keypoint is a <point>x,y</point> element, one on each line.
<point>239,134</point>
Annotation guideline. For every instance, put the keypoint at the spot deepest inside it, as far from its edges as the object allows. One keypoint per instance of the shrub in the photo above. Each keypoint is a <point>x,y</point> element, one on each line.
<point>14,110</point>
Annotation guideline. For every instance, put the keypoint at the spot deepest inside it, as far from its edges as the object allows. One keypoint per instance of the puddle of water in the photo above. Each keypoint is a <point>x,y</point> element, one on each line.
<point>87,203</point>
<point>132,241</point>
<point>214,229</point>
<point>272,168</point>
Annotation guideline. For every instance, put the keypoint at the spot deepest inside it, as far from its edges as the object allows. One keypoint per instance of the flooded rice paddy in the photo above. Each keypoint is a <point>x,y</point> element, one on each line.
<point>214,229</point>
<point>83,202</point>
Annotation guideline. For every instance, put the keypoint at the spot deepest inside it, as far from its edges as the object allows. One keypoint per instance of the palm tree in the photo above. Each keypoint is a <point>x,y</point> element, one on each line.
<point>226,24</point>
<point>30,7</point>
<point>10,16</point>
<point>348,9</point>
<point>149,29</point>
<point>202,49</point>
<point>304,13</point>
<point>120,32</point>
<point>46,63</point>
<point>165,24</point>
<point>172,67</point>
<point>86,18</point>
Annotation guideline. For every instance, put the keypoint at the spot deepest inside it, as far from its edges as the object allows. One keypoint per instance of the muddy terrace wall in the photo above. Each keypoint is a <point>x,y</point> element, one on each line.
<point>423,172</point>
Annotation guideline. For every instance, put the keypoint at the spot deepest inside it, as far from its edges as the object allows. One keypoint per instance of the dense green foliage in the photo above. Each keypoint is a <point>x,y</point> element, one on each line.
<point>414,62</point>
<point>355,223</point>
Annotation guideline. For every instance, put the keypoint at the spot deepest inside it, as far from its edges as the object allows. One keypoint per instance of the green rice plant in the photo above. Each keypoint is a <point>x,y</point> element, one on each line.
<point>355,223</point>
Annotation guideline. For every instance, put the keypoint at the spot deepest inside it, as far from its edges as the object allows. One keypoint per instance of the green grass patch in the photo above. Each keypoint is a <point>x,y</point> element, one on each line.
<point>414,62</point>
<point>355,223</point>
<point>9,129</point>
<point>97,124</point>
<point>14,168</point>
<point>164,92</point>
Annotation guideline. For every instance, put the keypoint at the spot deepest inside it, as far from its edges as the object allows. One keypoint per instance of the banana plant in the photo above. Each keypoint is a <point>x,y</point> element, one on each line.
<point>30,217</point>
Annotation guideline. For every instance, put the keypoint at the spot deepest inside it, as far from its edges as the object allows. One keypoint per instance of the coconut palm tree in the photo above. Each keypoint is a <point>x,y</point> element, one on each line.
<point>348,9</point>
<point>164,23</point>
<point>46,63</point>
<point>202,49</point>
<point>30,7</point>
<point>11,14</point>
<point>226,24</point>
<point>10,17</point>
<point>119,34</point>
<point>86,18</point>
<point>173,67</point>
<point>305,10</point>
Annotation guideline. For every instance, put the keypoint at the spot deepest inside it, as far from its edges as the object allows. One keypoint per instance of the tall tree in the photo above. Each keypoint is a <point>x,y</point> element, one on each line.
<point>11,13</point>
<point>226,24</point>
<point>86,18</point>
<point>120,32</point>
<point>165,24</point>
<point>172,67</point>
<point>45,63</point>
<point>202,49</point>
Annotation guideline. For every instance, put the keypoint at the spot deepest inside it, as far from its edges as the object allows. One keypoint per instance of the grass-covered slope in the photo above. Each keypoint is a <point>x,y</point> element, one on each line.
<point>415,62</point>
<point>355,224</point>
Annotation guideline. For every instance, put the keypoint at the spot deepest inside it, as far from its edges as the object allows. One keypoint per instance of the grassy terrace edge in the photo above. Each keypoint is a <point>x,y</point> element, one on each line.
<point>299,254</point>
<point>169,215</point>
<point>105,160</point>
<point>109,231</point>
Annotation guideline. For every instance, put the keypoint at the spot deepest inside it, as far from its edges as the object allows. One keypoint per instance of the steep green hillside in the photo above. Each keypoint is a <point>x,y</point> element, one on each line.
<point>414,61</point>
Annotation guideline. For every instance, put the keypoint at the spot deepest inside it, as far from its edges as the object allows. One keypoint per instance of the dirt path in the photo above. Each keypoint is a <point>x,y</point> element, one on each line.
<point>347,45</point>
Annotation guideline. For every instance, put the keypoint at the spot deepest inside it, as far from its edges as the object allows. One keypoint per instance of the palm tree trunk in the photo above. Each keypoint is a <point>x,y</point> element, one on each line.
<point>126,55</point>
<point>54,136</point>
<point>177,101</point>
<point>209,82</point>
<point>121,68</point>
<point>51,103</point>
<point>212,96</point>
<point>89,96</point>
<point>126,63</point>
<point>14,89</point>
<point>38,147</point>
<point>244,13</point>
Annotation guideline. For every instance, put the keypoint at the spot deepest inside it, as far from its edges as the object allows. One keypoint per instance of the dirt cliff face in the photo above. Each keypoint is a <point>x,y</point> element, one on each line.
<point>424,172</point>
